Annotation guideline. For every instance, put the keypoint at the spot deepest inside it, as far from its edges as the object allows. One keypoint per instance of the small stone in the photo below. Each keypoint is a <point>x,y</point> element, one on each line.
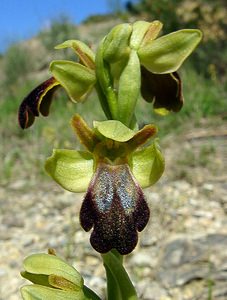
<point>208,187</point>
<point>203,214</point>
<point>2,272</point>
<point>141,259</point>
<point>151,290</point>
<point>13,221</point>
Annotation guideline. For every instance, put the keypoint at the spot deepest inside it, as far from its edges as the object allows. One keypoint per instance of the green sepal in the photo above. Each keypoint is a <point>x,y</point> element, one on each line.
<point>76,79</point>
<point>147,165</point>
<point>71,169</point>
<point>86,55</point>
<point>48,264</point>
<point>116,43</point>
<point>114,130</point>
<point>129,89</point>
<point>38,292</point>
<point>167,53</point>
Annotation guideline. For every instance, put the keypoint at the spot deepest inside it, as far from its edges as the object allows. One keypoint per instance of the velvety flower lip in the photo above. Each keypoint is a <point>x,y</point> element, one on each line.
<point>115,207</point>
<point>37,101</point>
<point>164,90</point>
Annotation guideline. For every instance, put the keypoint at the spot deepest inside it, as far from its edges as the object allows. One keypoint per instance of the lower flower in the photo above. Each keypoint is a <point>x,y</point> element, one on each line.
<point>115,207</point>
<point>112,172</point>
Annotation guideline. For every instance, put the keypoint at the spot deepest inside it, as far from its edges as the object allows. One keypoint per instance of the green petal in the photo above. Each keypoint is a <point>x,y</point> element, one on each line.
<point>85,53</point>
<point>114,130</point>
<point>71,169</point>
<point>77,79</point>
<point>86,135</point>
<point>38,292</point>
<point>141,137</point>
<point>139,29</point>
<point>144,31</point>
<point>47,264</point>
<point>152,32</point>
<point>148,165</point>
<point>167,53</point>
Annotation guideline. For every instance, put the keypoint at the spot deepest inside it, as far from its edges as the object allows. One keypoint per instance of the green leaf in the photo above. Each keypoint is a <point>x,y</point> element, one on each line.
<point>129,89</point>
<point>71,169</point>
<point>116,43</point>
<point>47,264</point>
<point>76,79</point>
<point>85,53</point>
<point>114,130</point>
<point>167,53</point>
<point>38,292</point>
<point>147,165</point>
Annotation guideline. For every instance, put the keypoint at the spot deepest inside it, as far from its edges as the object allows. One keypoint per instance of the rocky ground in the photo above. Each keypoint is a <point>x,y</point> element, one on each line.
<point>182,253</point>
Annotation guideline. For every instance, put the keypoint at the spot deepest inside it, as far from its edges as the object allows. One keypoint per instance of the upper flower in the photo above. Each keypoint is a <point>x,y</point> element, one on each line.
<point>113,172</point>
<point>130,61</point>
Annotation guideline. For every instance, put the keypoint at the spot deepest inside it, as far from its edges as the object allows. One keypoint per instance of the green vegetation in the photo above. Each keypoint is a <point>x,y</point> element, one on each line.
<point>204,85</point>
<point>16,66</point>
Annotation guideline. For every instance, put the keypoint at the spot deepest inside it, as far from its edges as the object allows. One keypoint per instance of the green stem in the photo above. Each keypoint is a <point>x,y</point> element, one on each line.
<point>113,289</point>
<point>118,280</point>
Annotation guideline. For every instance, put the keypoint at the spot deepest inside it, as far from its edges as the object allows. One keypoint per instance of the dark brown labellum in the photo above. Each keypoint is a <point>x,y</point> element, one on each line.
<point>165,90</point>
<point>37,101</point>
<point>115,207</point>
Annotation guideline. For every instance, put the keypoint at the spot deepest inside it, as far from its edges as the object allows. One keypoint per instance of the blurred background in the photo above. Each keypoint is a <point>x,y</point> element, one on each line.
<point>189,203</point>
